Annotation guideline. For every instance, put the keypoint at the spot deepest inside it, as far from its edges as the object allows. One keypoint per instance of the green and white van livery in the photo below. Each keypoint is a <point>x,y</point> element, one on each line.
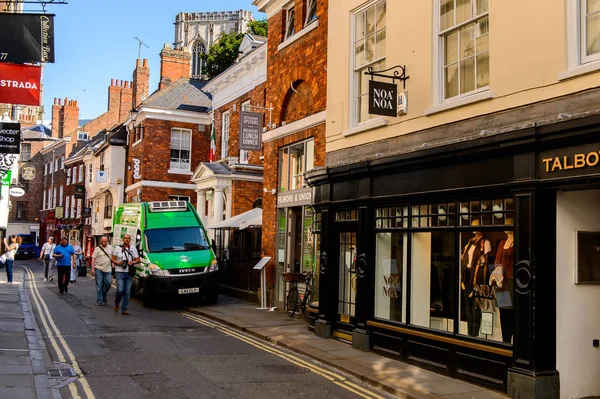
<point>176,257</point>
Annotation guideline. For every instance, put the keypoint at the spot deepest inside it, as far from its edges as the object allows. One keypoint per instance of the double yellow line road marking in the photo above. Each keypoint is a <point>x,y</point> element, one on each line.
<point>336,378</point>
<point>60,346</point>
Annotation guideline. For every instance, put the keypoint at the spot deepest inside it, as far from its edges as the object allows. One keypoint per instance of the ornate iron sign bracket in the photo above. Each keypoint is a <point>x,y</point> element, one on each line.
<point>397,75</point>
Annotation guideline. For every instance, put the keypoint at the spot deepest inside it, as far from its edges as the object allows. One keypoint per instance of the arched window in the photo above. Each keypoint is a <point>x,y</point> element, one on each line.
<point>197,62</point>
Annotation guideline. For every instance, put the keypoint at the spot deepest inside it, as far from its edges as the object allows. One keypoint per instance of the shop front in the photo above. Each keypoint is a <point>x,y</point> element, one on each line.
<point>455,258</point>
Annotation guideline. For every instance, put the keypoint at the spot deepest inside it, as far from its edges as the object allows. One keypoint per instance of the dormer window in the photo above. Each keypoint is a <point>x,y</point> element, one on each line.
<point>83,136</point>
<point>289,22</point>
<point>311,11</point>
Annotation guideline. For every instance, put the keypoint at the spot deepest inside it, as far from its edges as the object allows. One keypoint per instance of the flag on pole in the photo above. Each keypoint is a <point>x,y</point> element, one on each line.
<point>213,146</point>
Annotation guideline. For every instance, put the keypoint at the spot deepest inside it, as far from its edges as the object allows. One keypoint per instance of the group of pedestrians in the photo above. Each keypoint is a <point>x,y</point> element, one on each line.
<point>107,261</point>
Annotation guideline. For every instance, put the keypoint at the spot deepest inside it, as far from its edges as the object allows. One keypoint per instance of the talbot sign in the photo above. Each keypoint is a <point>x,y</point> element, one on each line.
<point>383,98</point>
<point>28,172</point>
<point>294,198</point>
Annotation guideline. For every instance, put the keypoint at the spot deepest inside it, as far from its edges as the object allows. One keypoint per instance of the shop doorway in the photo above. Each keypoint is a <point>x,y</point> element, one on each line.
<point>347,282</point>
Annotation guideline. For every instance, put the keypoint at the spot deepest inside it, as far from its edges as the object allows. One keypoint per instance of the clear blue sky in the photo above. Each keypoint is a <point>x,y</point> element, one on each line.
<point>95,43</point>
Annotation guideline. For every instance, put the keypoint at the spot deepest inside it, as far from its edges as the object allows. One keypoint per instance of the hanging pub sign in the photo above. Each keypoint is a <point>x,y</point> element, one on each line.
<point>87,212</point>
<point>59,212</point>
<point>19,84</point>
<point>10,137</point>
<point>28,172</point>
<point>79,192</point>
<point>383,98</point>
<point>26,38</point>
<point>251,125</point>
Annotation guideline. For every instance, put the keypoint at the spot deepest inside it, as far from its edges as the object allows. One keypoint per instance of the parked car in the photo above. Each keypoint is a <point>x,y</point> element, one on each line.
<point>28,247</point>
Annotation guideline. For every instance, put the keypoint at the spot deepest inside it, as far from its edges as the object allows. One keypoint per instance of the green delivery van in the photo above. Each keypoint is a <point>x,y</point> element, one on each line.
<point>175,254</point>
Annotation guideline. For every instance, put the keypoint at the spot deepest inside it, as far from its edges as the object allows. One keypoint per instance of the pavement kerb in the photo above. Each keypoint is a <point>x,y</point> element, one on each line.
<point>362,377</point>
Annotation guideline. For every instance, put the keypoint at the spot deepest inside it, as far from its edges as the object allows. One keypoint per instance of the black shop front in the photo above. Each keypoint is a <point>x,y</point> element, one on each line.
<point>445,257</point>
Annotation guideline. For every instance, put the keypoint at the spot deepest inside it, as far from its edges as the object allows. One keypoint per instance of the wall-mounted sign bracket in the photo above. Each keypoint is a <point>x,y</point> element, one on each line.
<point>399,73</point>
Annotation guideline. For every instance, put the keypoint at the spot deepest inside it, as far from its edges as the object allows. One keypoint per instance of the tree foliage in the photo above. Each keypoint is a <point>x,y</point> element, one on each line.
<point>225,51</point>
<point>222,54</point>
<point>259,28</point>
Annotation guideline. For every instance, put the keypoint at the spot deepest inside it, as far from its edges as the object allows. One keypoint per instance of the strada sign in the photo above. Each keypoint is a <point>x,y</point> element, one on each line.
<point>20,84</point>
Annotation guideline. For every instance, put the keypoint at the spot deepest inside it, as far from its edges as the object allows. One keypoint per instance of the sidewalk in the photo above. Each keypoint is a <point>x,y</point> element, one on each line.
<point>393,376</point>
<point>23,356</point>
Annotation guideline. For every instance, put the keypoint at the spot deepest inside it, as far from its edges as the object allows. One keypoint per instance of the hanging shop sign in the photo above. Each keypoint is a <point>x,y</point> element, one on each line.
<point>299,197</point>
<point>19,84</point>
<point>16,192</point>
<point>251,125</point>
<point>28,172</point>
<point>59,212</point>
<point>10,137</point>
<point>87,212</point>
<point>6,178</point>
<point>570,161</point>
<point>383,97</point>
<point>136,169</point>
<point>79,192</point>
<point>26,37</point>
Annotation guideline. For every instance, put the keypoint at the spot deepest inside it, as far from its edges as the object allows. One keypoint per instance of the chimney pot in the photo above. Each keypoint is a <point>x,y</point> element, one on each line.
<point>145,63</point>
<point>112,82</point>
<point>138,62</point>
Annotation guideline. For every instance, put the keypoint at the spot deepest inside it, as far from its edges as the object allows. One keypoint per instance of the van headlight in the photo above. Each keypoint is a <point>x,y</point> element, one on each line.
<point>214,266</point>
<point>157,271</point>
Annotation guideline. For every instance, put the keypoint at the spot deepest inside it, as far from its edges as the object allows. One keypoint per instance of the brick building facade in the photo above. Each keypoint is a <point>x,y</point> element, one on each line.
<point>295,142</point>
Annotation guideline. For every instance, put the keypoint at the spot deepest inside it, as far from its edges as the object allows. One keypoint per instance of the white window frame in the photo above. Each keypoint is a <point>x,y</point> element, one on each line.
<point>355,71</point>
<point>68,176</point>
<point>54,197</point>
<point>56,164</point>
<point>61,193</point>
<point>309,5</point>
<point>81,174</point>
<point>67,206</point>
<point>79,205</point>
<point>25,155</point>
<point>225,134</point>
<point>44,205</point>
<point>50,166</point>
<point>46,169</point>
<point>73,207</point>
<point>584,59</point>
<point>440,103</point>
<point>181,170</point>
<point>74,174</point>
<point>90,173</point>
<point>290,16</point>
<point>62,163</point>
<point>577,64</point>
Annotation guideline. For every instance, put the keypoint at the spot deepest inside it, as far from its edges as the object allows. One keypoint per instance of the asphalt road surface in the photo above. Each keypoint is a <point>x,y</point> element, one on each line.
<point>166,353</point>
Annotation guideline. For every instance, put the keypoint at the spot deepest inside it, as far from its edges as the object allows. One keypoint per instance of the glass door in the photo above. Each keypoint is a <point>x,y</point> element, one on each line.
<point>347,286</point>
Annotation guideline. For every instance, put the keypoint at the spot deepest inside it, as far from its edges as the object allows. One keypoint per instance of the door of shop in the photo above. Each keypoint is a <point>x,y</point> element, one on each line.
<point>347,277</point>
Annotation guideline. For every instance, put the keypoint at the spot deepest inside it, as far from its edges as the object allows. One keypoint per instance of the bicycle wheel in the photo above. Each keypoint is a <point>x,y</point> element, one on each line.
<point>292,301</point>
<point>305,303</point>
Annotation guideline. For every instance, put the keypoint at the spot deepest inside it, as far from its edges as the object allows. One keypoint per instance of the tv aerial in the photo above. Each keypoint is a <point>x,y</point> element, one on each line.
<point>140,46</point>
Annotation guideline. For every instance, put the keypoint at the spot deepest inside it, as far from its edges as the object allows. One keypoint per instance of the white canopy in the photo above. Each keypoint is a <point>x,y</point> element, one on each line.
<point>244,220</point>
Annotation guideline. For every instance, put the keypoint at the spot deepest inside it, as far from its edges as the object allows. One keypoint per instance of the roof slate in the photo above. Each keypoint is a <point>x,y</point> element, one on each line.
<point>185,94</point>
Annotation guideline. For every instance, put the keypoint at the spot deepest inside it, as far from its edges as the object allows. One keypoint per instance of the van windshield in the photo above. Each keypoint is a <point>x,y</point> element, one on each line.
<point>176,239</point>
<point>26,240</point>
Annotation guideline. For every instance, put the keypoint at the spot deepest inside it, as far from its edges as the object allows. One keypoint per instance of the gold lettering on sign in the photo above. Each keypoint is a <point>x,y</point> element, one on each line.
<point>567,162</point>
<point>392,285</point>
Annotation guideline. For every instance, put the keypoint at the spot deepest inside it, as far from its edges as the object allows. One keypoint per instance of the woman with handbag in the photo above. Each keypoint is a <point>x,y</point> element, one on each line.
<point>11,251</point>
<point>46,257</point>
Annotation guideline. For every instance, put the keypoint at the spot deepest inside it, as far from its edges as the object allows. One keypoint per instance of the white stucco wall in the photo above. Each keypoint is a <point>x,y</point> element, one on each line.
<point>577,306</point>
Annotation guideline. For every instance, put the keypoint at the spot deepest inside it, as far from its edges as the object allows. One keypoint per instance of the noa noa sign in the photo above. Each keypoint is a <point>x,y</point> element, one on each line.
<point>383,98</point>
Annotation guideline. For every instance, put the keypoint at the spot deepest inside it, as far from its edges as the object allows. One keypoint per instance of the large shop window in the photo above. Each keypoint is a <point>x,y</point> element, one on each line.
<point>461,260</point>
<point>293,162</point>
<point>369,43</point>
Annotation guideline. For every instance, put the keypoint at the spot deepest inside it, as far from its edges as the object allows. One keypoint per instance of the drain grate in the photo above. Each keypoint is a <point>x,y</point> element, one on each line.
<point>67,372</point>
<point>285,369</point>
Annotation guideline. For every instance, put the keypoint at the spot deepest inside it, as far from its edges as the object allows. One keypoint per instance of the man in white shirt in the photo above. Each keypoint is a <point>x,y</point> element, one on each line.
<point>46,256</point>
<point>102,269</point>
<point>126,258</point>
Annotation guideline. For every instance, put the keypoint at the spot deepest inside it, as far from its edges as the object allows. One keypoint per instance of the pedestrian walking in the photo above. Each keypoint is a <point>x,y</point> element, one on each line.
<point>11,251</point>
<point>65,261</point>
<point>126,258</point>
<point>46,257</point>
<point>102,266</point>
<point>78,258</point>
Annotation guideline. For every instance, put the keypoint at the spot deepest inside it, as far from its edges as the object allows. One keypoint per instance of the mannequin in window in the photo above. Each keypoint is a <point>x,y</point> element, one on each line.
<point>474,271</point>
<point>503,279</point>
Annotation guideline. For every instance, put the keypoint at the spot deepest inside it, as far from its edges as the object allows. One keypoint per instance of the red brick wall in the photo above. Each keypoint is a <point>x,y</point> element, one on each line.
<point>304,63</point>
<point>244,193</point>
<point>257,98</point>
<point>162,194</point>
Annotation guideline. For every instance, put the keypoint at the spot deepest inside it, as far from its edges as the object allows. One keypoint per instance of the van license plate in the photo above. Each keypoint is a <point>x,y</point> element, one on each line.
<point>189,290</point>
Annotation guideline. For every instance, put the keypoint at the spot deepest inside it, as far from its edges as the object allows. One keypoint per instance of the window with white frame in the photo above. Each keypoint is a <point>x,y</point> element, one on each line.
<point>45,169</point>
<point>68,176</point>
<point>25,152</point>
<point>181,149</point>
<point>49,198</point>
<point>44,200</point>
<point>54,197</point>
<point>90,173</point>
<point>289,21</point>
<point>74,174</point>
<point>197,62</point>
<point>50,167</point>
<point>311,11</point>
<point>463,40</point>
<point>369,51</point>
<point>56,164</point>
<point>79,205</point>
<point>225,135</point>
<point>73,209</point>
<point>67,206</point>
<point>244,153</point>
<point>61,194</point>
<point>62,162</point>
<point>81,173</point>
<point>590,30</point>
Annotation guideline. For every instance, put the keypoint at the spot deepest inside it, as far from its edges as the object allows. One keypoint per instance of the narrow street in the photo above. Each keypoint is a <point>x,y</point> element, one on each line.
<point>166,353</point>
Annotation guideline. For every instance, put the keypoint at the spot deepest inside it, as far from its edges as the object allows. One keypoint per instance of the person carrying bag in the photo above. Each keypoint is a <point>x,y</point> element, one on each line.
<point>46,257</point>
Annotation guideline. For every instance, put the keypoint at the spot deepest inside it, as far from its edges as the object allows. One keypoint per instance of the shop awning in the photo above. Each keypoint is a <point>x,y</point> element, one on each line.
<point>252,218</point>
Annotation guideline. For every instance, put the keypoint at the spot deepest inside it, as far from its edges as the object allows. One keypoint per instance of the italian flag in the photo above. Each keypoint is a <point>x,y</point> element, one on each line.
<point>213,146</point>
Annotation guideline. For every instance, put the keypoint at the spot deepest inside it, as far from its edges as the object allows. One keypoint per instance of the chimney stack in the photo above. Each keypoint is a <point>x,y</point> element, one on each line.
<point>174,64</point>
<point>141,81</point>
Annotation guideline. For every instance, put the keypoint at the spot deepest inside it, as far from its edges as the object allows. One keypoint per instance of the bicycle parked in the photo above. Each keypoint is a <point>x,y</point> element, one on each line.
<point>293,300</point>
